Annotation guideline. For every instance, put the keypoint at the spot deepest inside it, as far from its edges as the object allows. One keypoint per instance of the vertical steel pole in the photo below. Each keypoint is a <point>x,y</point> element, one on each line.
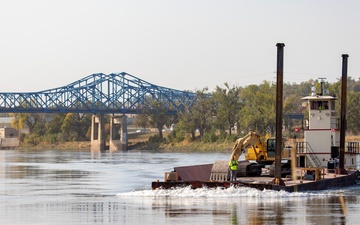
<point>343,112</point>
<point>279,108</point>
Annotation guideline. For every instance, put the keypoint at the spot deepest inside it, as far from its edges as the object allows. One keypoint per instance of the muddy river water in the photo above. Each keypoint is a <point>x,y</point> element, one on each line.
<point>70,187</point>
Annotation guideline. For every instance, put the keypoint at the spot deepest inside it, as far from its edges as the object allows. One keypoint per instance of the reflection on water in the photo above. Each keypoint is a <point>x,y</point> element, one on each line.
<point>53,187</point>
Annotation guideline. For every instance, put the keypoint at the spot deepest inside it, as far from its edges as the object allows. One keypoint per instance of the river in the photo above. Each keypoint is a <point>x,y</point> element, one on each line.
<point>70,187</point>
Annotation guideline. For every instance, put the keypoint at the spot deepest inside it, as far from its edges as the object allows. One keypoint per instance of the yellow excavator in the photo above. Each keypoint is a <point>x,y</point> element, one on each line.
<point>260,150</point>
<point>258,153</point>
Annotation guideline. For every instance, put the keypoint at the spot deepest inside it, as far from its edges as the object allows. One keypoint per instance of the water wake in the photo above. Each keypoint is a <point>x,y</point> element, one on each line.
<point>218,193</point>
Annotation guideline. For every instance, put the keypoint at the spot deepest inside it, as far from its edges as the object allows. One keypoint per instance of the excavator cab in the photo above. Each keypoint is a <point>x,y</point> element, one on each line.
<point>271,147</point>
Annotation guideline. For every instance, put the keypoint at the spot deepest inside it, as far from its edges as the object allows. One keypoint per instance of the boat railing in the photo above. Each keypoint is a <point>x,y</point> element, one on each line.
<point>305,148</point>
<point>301,147</point>
<point>353,147</point>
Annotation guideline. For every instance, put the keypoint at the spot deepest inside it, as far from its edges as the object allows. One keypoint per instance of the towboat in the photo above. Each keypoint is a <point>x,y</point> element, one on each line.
<point>319,162</point>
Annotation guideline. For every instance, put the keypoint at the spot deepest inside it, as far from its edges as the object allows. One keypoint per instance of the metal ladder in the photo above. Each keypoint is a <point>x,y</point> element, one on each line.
<point>313,158</point>
<point>310,154</point>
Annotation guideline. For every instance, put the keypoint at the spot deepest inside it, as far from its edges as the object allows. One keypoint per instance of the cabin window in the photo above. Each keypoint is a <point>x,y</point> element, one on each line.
<point>332,104</point>
<point>319,105</point>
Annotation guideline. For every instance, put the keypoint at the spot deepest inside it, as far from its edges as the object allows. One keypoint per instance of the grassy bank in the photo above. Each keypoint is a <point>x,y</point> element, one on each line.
<point>139,141</point>
<point>196,146</point>
<point>163,147</point>
<point>75,145</point>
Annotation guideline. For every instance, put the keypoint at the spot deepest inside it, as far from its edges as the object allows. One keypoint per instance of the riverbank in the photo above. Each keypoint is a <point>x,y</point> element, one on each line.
<point>75,145</point>
<point>195,146</point>
<point>140,142</point>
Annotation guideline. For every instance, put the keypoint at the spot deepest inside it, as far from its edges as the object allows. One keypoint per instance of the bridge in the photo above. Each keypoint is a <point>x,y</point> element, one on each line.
<point>116,93</point>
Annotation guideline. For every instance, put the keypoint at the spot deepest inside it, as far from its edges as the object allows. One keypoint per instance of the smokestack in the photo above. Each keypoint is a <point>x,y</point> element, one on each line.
<point>279,107</point>
<point>343,112</point>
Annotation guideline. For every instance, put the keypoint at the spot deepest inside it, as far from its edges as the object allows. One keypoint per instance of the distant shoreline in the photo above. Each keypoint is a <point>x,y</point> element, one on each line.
<point>195,146</point>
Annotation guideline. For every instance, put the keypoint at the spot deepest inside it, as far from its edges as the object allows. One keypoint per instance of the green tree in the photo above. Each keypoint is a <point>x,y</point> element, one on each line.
<point>187,123</point>
<point>227,105</point>
<point>75,126</point>
<point>157,114</point>
<point>353,112</point>
<point>69,127</point>
<point>29,120</point>
<point>141,120</point>
<point>196,117</point>
<point>258,111</point>
<point>54,125</point>
<point>84,125</point>
<point>202,111</point>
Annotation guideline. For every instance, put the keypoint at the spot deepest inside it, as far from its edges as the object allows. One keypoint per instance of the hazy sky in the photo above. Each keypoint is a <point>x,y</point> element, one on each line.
<point>180,44</point>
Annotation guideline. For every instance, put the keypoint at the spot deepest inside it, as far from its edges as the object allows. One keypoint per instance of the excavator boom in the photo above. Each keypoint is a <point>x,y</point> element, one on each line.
<point>219,170</point>
<point>251,139</point>
<point>254,148</point>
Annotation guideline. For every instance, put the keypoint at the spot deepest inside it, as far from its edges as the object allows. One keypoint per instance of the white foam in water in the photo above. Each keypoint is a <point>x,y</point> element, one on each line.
<point>218,193</point>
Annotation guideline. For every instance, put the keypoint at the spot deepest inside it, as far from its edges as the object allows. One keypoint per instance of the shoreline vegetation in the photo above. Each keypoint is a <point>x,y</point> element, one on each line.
<point>140,142</point>
<point>195,146</point>
<point>137,142</point>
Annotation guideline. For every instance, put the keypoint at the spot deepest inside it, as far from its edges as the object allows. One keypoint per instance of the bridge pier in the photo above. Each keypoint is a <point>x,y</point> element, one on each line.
<point>97,133</point>
<point>118,133</point>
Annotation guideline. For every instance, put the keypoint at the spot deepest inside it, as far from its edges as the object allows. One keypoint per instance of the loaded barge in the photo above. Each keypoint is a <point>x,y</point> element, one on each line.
<point>317,163</point>
<point>197,177</point>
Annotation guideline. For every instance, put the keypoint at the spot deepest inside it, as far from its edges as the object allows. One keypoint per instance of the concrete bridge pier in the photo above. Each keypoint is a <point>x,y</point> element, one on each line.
<point>97,133</point>
<point>118,133</point>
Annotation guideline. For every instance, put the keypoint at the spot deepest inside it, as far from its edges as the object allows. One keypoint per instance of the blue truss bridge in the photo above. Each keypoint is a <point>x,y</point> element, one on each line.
<point>115,93</point>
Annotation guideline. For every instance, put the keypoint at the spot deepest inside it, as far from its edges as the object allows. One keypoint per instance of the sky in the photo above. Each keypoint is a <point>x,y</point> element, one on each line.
<point>184,45</point>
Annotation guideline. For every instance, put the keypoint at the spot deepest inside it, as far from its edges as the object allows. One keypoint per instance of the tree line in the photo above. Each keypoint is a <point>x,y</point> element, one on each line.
<point>222,115</point>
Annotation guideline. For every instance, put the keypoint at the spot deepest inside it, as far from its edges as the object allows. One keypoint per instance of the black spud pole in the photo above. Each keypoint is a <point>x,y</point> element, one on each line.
<point>343,112</point>
<point>279,107</point>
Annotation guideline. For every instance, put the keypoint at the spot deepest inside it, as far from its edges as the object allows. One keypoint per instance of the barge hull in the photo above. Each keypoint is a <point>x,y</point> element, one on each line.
<point>329,183</point>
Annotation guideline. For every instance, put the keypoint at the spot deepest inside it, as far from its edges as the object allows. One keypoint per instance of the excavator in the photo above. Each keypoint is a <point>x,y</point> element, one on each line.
<point>258,150</point>
<point>258,154</point>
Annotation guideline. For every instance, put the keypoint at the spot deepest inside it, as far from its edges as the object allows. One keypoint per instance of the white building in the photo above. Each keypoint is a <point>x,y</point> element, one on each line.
<point>9,138</point>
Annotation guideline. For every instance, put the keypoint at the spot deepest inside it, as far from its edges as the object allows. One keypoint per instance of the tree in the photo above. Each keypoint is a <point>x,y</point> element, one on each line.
<point>84,125</point>
<point>69,127</point>
<point>54,126</point>
<point>258,111</point>
<point>29,120</point>
<point>353,112</point>
<point>75,126</point>
<point>157,113</point>
<point>141,120</point>
<point>202,111</point>
<point>187,122</point>
<point>227,106</point>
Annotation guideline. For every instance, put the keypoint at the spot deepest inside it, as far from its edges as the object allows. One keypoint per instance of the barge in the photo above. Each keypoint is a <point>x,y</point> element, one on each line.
<point>306,179</point>
<point>317,163</point>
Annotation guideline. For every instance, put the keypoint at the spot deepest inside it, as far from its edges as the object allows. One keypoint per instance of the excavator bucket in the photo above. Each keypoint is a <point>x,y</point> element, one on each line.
<point>220,171</point>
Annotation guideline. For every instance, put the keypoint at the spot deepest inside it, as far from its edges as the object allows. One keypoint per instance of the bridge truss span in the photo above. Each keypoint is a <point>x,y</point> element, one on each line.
<point>116,93</point>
